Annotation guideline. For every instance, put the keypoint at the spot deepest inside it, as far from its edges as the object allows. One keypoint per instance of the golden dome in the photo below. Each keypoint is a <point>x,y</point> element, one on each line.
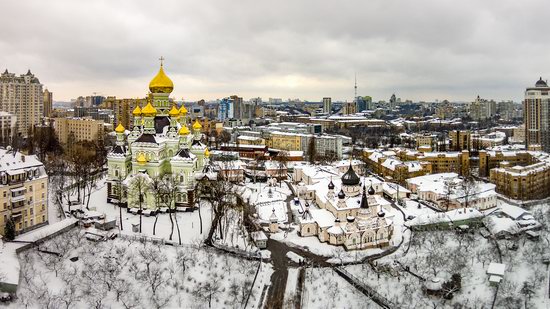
<point>149,110</point>
<point>183,110</point>
<point>161,83</point>
<point>174,112</point>
<point>137,111</point>
<point>206,153</point>
<point>141,159</point>
<point>119,128</point>
<point>184,130</point>
<point>197,125</point>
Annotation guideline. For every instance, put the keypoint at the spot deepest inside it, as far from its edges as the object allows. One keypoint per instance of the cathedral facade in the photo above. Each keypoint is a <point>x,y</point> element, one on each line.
<point>161,143</point>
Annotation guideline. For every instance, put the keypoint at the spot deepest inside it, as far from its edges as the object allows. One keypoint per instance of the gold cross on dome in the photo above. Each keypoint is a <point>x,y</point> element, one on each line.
<point>161,60</point>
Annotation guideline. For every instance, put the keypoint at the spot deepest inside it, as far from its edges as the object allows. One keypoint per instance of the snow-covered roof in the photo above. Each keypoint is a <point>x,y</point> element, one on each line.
<point>512,211</point>
<point>258,236</point>
<point>454,215</point>
<point>322,217</point>
<point>496,269</point>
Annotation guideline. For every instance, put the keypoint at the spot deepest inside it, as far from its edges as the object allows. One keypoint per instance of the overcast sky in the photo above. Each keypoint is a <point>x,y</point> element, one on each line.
<point>421,50</point>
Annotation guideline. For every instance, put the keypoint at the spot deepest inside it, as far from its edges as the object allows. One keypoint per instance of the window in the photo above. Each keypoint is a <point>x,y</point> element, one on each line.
<point>43,185</point>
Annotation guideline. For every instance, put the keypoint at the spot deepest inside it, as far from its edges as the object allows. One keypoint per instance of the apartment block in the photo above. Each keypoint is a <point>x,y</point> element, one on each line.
<point>23,191</point>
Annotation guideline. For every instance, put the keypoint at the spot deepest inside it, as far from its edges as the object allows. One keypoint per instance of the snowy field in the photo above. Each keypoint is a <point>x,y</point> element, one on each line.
<point>130,274</point>
<point>324,289</point>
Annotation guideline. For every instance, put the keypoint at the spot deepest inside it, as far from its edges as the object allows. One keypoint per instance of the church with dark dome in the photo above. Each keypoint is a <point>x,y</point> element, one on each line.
<point>349,214</point>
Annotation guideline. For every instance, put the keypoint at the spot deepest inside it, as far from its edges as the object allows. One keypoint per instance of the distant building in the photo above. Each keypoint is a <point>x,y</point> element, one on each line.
<point>83,129</point>
<point>460,140</point>
<point>105,115</point>
<point>238,107</point>
<point>23,192</point>
<point>22,97</point>
<point>482,109</point>
<point>349,108</point>
<point>122,110</point>
<point>8,126</point>
<point>327,105</point>
<point>363,103</point>
<point>536,108</point>
<point>48,102</point>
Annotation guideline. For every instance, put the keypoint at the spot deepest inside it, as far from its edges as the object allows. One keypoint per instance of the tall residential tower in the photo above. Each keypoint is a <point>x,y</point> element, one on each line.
<point>22,96</point>
<point>536,108</point>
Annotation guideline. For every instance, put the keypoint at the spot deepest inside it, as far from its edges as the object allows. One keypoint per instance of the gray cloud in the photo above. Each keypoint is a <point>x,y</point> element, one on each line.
<point>421,50</point>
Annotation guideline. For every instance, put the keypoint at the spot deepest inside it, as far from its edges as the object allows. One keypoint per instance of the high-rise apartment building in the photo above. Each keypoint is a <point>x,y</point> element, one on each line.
<point>48,102</point>
<point>22,96</point>
<point>237,106</point>
<point>482,109</point>
<point>327,105</point>
<point>536,108</point>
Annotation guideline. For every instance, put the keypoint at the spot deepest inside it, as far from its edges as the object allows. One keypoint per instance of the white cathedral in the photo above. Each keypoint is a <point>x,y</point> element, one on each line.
<point>353,218</point>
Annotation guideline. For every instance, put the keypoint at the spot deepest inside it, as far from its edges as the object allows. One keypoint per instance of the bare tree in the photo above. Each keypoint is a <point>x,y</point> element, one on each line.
<point>171,191</point>
<point>157,189</point>
<point>221,195</point>
<point>207,291</point>
<point>138,186</point>
<point>469,189</point>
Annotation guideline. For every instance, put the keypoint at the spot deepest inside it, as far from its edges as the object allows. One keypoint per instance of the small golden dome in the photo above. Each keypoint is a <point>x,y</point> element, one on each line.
<point>197,125</point>
<point>206,153</point>
<point>119,128</point>
<point>149,110</point>
<point>141,159</point>
<point>137,111</point>
<point>174,112</point>
<point>161,83</point>
<point>184,131</point>
<point>183,110</point>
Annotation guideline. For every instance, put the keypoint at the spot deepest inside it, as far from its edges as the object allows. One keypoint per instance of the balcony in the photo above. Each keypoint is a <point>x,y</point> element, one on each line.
<point>17,204</point>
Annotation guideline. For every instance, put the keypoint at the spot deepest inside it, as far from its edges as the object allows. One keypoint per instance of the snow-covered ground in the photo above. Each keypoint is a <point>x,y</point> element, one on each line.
<point>189,222</point>
<point>130,274</point>
<point>443,253</point>
<point>291,283</point>
<point>324,289</point>
<point>268,200</point>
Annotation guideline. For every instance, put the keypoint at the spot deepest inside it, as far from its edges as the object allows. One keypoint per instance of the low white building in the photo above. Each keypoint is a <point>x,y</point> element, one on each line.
<point>447,190</point>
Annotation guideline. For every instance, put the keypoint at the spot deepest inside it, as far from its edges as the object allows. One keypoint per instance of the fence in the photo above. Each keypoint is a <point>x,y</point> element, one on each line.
<point>365,289</point>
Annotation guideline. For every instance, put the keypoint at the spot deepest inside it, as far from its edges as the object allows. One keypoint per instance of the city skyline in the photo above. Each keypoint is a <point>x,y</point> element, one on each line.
<point>421,51</point>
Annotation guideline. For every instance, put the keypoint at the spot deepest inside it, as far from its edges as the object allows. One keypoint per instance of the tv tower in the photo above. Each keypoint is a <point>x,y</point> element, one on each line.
<point>355,94</point>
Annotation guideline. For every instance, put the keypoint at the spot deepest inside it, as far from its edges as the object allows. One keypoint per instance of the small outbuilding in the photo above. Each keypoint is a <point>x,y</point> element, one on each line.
<point>496,273</point>
<point>260,239</point>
